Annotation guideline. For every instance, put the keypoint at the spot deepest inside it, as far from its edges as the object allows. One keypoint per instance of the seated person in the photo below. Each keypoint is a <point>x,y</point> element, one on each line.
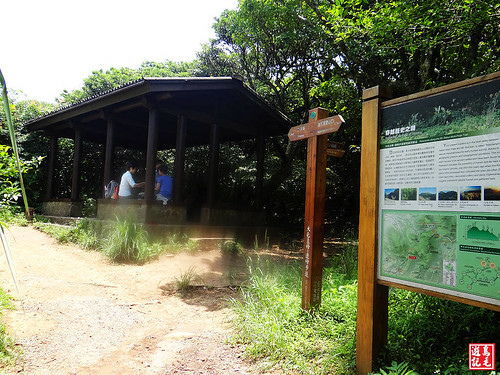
<point>158,164</point>
<point>127,182</point>
<point>163,188</point>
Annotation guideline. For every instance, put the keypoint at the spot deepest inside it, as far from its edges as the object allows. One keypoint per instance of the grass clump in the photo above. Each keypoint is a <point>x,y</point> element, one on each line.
<point>185,280</point>
<point>397,369</point>
<point>277,332</point>
<point>128,242</point>
<point>230,247</point>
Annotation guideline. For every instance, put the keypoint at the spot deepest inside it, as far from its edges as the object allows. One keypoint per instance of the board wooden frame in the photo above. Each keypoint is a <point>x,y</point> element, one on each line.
<point>372,316</point>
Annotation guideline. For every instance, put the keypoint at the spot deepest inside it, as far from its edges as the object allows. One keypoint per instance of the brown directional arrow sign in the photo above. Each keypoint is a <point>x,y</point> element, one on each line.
<point>314,128</point>
<point>335,149</point>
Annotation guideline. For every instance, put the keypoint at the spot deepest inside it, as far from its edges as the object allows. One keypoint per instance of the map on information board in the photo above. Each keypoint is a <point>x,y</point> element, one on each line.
<point>420,247</point>
<point>439,193</point>
<point>446,250</point>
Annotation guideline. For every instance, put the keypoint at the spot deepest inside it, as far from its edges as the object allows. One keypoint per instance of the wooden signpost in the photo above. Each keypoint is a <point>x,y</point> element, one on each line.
<point>316,132</point>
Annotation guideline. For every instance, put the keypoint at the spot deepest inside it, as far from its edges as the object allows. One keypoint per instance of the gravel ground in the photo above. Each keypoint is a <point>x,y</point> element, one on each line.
<point>82,315</point>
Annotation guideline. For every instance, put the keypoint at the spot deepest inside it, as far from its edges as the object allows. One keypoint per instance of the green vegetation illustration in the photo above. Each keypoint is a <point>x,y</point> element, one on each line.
<point>420,247</point>
<point>470,111</point>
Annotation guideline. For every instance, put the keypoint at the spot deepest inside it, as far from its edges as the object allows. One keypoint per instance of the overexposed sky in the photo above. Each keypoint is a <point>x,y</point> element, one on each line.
<point>53,45</point>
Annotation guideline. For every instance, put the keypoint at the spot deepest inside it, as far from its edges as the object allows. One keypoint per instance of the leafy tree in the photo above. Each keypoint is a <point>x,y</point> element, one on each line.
<point>10,189</point>
<point>274,47</point>
<point>101,81</point>
<point>31,146</point>
<point>303,54</point>
<point>419,44</point>
<point>282,53</point>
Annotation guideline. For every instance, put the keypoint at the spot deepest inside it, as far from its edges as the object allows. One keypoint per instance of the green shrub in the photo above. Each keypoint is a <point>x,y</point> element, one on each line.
<point>180,242</point>
<point>432,334</point>
<point>396,369</point>
<point>62,233</point>
<point>12,215</point>
<point>230,247</point>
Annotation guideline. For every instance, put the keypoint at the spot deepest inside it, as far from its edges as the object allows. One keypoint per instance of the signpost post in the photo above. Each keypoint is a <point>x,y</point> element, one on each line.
<point>316,132</point>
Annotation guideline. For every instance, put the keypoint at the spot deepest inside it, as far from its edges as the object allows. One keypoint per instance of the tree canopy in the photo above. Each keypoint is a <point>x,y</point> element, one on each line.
<point>101,81</point>
<point>301,54</point>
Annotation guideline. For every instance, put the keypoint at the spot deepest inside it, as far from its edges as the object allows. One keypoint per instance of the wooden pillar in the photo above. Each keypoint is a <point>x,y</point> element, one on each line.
<point>77,164</point>
<point>213,167</point>
<point>314,216</point>
<point>180,157</point>
<point>53,146</point>
<point>259,179</point>
<point>372,298</point>
<point>109,152</point>
<point>151,154</point>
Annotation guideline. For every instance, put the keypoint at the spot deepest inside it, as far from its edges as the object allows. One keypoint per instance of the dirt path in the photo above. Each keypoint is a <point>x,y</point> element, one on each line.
<point>83,315</point>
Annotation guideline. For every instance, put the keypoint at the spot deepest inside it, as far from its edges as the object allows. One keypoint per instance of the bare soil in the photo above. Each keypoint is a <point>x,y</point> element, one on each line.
<point>80,314</point>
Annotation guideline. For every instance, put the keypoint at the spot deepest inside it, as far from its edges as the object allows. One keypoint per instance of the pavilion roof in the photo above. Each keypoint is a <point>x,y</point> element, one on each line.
<point>225,101</point>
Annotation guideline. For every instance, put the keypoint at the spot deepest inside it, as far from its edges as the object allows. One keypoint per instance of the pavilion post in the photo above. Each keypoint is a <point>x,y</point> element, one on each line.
<point>180,157</point>
<point>53,146</point>
<point>151,154</point>
<point>77,162</point>
<point>259,179</point>
<point>213,166</point>
<point>109,153</point>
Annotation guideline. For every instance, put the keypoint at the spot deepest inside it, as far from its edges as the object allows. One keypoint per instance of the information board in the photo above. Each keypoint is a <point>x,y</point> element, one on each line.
<point>439,192</point>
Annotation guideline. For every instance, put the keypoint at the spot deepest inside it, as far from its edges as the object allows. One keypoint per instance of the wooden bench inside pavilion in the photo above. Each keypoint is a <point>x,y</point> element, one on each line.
<point>154,114</point>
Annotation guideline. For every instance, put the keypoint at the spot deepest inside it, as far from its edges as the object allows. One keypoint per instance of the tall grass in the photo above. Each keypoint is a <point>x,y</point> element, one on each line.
<point>122,241</point>
<point>427,335</point>
<point>127,242</point>
<point>275,330</point>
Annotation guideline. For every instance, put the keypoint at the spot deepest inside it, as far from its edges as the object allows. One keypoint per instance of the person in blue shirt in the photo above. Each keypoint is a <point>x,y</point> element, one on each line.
<point>163,188</point>
<point>158,164</point>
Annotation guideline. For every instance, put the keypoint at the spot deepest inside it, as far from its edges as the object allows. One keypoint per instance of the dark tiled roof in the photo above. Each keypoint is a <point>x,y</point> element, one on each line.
<point>227,101</point>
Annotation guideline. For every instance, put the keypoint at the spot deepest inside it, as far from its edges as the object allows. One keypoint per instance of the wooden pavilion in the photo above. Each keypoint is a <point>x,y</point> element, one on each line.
<point>155,114</point>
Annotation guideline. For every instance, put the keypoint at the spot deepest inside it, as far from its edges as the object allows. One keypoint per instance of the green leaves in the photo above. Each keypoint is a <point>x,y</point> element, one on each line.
<point>101,81</point>
<point>12,135</point>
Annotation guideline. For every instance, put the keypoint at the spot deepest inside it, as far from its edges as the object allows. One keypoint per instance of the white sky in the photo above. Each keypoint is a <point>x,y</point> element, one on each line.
<point>53,45</point>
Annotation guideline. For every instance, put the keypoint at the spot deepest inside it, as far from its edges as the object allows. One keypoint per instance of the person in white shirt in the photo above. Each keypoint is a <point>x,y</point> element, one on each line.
<point>127,182</point>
